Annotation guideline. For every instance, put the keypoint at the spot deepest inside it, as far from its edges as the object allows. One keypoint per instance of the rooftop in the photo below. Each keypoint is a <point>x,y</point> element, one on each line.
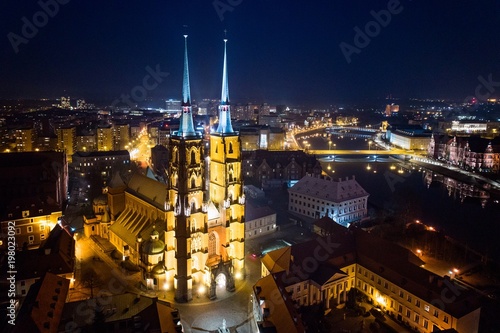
<point>323,187</point>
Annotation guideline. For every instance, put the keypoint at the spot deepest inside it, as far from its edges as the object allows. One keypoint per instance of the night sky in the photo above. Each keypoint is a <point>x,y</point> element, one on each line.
<point>284,52</point>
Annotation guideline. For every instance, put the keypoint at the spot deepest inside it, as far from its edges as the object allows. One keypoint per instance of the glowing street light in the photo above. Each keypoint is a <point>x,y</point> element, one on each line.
<point>201,290</point>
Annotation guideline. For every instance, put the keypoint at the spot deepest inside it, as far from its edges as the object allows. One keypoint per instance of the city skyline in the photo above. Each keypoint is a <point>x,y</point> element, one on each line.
<point>311,54</point>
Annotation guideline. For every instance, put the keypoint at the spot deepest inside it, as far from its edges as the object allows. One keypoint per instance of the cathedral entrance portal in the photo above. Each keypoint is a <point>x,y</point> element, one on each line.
<point>221,278</point>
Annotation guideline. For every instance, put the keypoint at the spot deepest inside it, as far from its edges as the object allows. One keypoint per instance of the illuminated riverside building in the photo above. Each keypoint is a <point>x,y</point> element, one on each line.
<point>409,138</point>
<point>490,129</point>
<point>344,201</point>
<point>326,270</point>
<point>473,153</point>
<point>197,219</point>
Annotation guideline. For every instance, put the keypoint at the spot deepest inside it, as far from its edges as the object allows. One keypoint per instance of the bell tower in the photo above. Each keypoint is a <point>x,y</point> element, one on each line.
<point>226,184</point>
<point>186,170</point>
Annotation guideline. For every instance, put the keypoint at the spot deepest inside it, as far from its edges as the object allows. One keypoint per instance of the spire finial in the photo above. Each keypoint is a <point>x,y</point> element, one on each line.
<point>186,127</point>
<point>224,107</point>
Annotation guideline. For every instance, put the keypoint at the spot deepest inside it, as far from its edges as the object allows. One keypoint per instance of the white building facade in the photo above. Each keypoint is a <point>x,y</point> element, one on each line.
<point>259,220</point>
<point>344,201</point>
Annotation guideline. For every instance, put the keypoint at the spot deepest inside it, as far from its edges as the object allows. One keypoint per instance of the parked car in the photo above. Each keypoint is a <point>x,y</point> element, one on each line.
<point>376,312</point>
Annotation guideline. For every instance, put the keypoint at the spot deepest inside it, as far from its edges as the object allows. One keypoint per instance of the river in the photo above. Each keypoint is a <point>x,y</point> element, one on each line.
<point>437,200</point>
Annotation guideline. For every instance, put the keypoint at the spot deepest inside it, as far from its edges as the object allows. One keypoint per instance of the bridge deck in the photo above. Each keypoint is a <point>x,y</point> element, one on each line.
<point>358,152</point>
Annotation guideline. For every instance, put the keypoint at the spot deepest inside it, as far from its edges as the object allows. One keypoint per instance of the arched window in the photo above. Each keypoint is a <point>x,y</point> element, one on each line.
<point>196,243</point>
<point>212,244</point>
<point>230,148</point>
<point>193,157</point>
<point>193,182</point>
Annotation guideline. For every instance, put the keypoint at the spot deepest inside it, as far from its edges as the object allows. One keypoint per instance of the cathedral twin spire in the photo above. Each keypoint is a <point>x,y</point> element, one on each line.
<point>186,127</point>
<point>225,126</point>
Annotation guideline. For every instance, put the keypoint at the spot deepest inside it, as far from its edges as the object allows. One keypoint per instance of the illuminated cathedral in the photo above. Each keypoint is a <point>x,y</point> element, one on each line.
<point>186,235</point>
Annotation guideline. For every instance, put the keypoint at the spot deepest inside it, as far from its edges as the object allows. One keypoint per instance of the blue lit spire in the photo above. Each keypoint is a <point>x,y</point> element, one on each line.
<point>186,127</point>
<point>224,107</point>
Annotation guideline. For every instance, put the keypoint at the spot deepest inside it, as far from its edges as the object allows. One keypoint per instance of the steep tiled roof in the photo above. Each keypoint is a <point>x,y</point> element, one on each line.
<point>42,309</point>
<point>55,255</point>
<point>328,189</point>
<point>278,260</point>
<point>130,225</point>
<point>150,190</point>
<point>280,314</point>
<point>254,211</point>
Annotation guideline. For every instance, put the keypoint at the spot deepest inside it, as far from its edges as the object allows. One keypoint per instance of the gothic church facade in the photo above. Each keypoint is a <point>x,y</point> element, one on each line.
<point>186,235</point>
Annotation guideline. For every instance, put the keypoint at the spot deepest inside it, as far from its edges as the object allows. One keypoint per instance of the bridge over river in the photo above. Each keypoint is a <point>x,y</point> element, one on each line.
<point>336,152</point>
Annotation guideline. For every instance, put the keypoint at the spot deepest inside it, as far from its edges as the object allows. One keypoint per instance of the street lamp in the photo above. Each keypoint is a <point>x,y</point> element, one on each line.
<point>370,145</point>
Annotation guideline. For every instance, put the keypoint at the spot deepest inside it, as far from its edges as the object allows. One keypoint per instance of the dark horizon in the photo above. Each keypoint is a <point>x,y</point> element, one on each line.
<point>297,54</point>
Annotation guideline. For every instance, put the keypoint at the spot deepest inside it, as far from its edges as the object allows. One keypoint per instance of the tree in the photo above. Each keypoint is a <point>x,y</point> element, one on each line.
<point>90,279</point>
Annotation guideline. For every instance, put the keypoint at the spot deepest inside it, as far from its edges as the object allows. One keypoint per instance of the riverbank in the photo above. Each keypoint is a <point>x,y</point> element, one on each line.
<point>467,177</point>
